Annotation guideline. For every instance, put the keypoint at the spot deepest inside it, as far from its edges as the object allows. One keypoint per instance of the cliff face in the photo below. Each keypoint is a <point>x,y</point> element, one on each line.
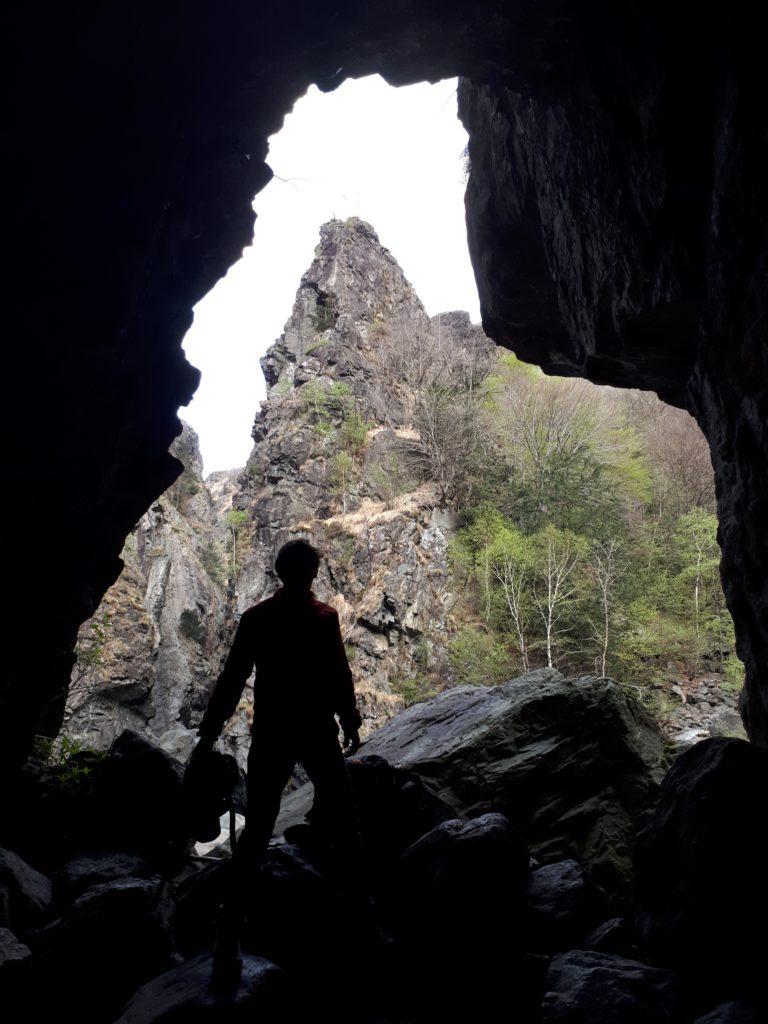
<point>339,459</point>
<point>147,655</point>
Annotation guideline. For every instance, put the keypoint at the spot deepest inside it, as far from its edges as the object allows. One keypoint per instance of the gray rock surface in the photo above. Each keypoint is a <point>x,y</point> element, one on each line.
<point>562,905</point>
<point>150,652</point>
<point>25,894</point>
<point>734,1013</point>
<point>185,994</point>
<point>585,987</point>
<point>86,870</point>
<point>12,952</point>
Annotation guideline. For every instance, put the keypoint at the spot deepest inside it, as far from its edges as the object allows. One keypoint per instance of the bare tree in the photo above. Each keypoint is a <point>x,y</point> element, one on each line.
<point>605,569</point>
<point>511,571</point>
<point>427,379</point>
<point>555,583</point>
<point>677,451</point>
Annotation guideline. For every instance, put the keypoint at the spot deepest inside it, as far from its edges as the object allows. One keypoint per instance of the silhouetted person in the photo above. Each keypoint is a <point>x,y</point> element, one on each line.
<point>302,681</point>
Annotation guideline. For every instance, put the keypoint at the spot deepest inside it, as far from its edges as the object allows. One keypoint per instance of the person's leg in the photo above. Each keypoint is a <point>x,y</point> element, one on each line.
<point>333,811</point>
<point>269,768</point>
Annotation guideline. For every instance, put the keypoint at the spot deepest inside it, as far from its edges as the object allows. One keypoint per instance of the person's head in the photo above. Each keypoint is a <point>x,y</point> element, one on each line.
<point>296,564</point>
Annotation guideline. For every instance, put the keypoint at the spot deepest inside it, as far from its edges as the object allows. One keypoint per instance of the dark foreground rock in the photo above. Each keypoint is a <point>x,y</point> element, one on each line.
<point>702,899</point>
<point>25,894</point>
<point>572,763</point>
<point>394,808</point>
<point>97,867</point>
<point>562,906</point>
<point>584,987</point>
<point>185,994</point>
<point>735,1013</point>
<point>460,883</point>
<point>110,940</point>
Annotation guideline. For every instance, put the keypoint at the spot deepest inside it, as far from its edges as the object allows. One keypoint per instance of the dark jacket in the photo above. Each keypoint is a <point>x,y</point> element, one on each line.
<point>302,673</point>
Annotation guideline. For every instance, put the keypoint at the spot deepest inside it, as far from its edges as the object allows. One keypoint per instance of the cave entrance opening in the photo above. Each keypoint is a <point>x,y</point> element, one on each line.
<point>477,518</point>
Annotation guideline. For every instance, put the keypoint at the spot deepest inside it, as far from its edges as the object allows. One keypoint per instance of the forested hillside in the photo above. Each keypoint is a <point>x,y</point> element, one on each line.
<point>588,533</point>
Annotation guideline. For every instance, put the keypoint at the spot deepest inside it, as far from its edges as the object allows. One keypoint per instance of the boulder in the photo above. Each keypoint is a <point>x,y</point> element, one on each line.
<point>295,912</point>
<point>112,939</point>
<point>562,906</point>
<point>585,987</point>
<point>701,897</point>
<point>12,952</point>
<point>25,894</point>
<point>461,882</point>
<point>574,764</point>
<point>15,959</point>
<point>394,808</point>
<point>613,936</point>
<point>95,868</point>
<point>735,1013</point>
<point>137,801</point>
<point>185,994</point>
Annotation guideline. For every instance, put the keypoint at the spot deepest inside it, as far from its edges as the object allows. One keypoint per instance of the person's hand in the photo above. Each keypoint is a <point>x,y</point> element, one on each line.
<point>351,742</point>
<point>204,746</point>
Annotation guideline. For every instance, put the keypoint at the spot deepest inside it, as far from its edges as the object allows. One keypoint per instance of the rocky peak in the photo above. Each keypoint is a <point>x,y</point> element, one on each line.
<point>353,285</point>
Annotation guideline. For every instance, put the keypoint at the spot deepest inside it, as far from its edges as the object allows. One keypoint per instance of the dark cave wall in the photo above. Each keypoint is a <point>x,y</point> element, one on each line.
<point>140,139</point>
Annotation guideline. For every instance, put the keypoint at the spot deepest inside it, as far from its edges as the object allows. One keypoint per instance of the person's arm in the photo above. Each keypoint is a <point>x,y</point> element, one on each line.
<point>345,703</point>
<point>230,684</point>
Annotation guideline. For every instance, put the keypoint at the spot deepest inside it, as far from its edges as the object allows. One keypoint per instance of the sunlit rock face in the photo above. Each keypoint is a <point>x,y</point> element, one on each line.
<point>616,216</point>
<point>146,658</point>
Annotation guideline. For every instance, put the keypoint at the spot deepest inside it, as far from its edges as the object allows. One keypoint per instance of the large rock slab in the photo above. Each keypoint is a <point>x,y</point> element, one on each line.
<point>574,764</point>
<point>702,900</point>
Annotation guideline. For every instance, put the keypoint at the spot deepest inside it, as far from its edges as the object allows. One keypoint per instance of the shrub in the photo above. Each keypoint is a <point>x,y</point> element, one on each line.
<point>733,674</point>
<point>191,626</point>
<point>324,314</point>
<point>478,659</point>
<point>315,345</point>
<point>353,435</point>
<point>413,688</point>
<point>212,562</point>
<point>389,477</point>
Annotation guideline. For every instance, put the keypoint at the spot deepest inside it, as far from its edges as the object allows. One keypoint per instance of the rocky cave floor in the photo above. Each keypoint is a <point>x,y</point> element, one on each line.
<point>531,854</point>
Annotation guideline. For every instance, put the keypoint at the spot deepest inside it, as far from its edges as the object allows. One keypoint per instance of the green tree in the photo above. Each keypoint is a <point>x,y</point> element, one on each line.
<point>342,477</point>
<point>236,520</point>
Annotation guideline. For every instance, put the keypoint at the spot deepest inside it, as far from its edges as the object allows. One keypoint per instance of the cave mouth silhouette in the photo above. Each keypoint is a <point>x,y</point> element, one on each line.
<point>598,157</point>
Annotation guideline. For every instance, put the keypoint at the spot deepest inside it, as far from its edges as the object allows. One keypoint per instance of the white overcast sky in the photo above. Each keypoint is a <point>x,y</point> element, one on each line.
<point>391,156</point>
